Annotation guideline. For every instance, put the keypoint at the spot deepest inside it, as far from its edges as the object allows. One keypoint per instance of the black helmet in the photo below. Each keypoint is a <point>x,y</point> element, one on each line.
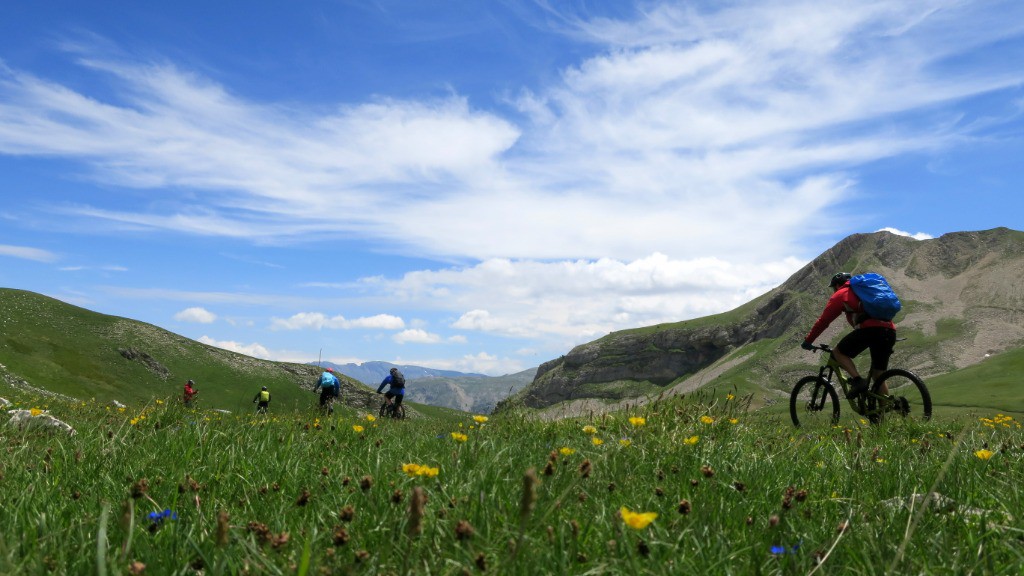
<point>839,279</point>
<point>264,387</point>
<point>393,370</point>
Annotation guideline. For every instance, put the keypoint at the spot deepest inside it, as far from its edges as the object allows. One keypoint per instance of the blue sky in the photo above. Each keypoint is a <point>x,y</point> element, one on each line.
<point>480,186</point>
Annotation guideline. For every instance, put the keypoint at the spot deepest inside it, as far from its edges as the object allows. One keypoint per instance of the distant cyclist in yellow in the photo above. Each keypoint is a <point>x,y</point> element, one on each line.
<point>262,400</point>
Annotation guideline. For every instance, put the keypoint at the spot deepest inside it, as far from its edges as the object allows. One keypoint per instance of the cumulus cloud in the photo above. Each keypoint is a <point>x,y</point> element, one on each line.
<point>915,235</point>
<point>319,321</point>
<point>196,314</point>
<point>416,335</point>
<point>27,253</point>
<point>254,349</point>
<point>574,301</point>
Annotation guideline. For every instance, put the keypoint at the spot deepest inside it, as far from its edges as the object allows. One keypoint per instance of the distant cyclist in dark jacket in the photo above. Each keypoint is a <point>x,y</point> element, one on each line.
<point>330,388</point>
<point>869,333</point>
<point>397,389</point>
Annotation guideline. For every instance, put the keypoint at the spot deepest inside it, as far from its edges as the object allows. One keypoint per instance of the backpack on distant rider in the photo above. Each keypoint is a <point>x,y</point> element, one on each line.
<point>397,380</point>
<point>326,380</point>
<point>878,298</point>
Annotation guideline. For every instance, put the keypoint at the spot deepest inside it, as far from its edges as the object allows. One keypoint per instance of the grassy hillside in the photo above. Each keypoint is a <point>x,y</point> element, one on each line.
<point>677,487</point>
<point>46,344</point>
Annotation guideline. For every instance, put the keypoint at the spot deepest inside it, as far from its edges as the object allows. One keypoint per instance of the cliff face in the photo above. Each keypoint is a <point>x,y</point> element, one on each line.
<point>968,280</point>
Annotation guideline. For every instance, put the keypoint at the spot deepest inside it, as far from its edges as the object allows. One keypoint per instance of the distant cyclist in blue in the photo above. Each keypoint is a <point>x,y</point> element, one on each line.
<point>396,391</point>
<point>330,388</point>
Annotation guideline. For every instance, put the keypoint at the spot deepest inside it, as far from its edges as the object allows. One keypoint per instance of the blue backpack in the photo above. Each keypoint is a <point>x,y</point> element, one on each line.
<point>326,380</point>
<point>879,301</point>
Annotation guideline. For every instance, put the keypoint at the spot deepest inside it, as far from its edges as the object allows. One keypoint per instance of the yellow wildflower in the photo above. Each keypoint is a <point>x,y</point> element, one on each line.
<point>566,451</point>
<point>596,441</point>
<point>691,440</point>
<point>729,396</point>
<point>983,454</point>
<point>459,437</point>
<point>588,429</point>
<point>370,417</point>
<point>637,421</point>
<point>35,412</point>
<point>480,419</point>
<point>637,520</point>
<point>419,470</point>
<point>734,420</point>
<point>707,419</point>
<point>357,428</point>
<point>625,442</point>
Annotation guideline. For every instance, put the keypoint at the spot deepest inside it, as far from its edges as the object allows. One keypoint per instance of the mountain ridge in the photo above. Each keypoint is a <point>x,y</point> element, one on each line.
<point>962,299</point>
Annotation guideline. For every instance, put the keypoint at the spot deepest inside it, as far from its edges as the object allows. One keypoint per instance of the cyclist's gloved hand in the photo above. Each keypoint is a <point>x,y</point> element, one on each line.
<point>807,345</point>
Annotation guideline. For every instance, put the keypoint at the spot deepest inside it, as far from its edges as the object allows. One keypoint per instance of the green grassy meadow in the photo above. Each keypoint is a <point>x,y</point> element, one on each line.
<point>160,489</point>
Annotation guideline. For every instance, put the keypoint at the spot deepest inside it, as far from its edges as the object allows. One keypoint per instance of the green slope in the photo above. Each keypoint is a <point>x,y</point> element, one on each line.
<point>50,345</point>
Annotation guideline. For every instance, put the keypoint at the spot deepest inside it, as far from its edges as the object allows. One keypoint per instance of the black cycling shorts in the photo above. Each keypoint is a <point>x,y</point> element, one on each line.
<point>877,339</point>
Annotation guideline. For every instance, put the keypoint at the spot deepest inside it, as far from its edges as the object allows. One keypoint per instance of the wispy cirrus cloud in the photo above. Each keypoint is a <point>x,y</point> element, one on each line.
<point>690,125</point>
<point>27,253</point>
<point>319,321</point>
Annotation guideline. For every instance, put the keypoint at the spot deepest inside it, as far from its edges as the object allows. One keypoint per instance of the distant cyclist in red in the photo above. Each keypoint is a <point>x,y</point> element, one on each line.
<point>879,336</point>
<point>189,394</point>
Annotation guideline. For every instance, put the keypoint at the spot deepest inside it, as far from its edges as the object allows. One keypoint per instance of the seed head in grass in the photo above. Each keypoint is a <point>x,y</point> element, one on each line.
<point>684,507</point>
<point>585,468</point>
<point>366,483</point>
<point>362,556</point>
<point>659,491</point>
<point>739,486</point>
<point>303,498</point>
<point>417,503</point>
<point>464,530</point>
<point>340,537</point>
<point>481,562</point>
<point>529,497</point>
<point>707,471</point>
<point>347,513</point>
<point>223,528</point>
<point>136,568</point>
<point>611,487</point>
<point>773,520</point>
<point>140,488</point>
<point>549,468</point>
<point>643,549</point>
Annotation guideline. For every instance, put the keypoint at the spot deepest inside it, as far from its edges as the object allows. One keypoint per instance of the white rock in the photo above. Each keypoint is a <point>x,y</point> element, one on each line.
<point>24,420</point>
<point>5,403</point>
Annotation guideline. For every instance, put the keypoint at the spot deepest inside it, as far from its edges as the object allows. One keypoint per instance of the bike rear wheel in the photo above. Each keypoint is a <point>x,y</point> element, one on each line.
<point>908,397</point>
<point>814,402</point>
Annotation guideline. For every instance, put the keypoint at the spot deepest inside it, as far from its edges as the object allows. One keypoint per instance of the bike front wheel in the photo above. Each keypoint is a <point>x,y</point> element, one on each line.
<point>907,397</point>
<point>814,400</point>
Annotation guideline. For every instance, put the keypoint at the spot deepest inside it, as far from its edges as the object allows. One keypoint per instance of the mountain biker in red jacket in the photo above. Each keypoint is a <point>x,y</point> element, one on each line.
<point>879,336</point>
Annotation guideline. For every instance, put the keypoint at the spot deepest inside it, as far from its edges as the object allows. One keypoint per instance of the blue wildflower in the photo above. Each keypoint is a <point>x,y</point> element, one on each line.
<point>780,550</point>
<point>156,519</point>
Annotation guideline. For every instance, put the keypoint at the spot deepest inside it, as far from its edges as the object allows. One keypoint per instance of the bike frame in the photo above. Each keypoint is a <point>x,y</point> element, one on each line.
<point>859,404</point>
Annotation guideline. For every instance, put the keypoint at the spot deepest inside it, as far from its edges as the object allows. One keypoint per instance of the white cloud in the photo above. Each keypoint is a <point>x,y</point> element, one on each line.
<point>572,302</point>
<point>690,128</point>
<point>915,236</point>
<point>196,314</point>
<point>416,336</point>
<point>255,350</point>
<point>318,321</point>
<point>27,253</point>
<point>479,363</point>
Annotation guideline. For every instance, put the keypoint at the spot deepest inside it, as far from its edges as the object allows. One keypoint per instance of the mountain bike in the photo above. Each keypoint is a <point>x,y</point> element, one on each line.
<point>814,398</point>
<point>388,410</point>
